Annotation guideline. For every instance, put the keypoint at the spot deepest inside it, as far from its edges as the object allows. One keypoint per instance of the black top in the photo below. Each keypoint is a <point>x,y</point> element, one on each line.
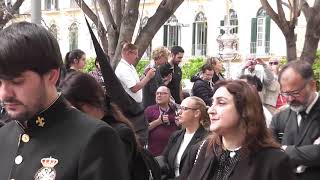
<point>203,90</point>
<point>127,136</point>
<point>263,164</point>
<point>84,147</point>
<point>174,85</point>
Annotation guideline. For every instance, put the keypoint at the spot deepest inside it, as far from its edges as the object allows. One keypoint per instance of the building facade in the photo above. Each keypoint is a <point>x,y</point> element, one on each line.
<point>194,26</point>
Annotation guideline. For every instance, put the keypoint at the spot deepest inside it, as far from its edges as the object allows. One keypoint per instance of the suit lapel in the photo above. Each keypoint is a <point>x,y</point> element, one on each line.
<point>290,135</point>
<point>175,148</point>
<point>313,114</point>
<point>196,138</point>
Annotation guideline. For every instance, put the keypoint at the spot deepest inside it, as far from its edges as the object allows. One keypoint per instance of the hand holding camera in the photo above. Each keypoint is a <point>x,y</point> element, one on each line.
<point>165,119</point>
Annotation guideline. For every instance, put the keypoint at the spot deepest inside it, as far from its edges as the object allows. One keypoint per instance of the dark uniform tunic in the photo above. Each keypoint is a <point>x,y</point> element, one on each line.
<point>86,149</point>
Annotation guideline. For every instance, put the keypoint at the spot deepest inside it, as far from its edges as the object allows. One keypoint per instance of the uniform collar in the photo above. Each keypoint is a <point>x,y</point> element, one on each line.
<point>49,116</point>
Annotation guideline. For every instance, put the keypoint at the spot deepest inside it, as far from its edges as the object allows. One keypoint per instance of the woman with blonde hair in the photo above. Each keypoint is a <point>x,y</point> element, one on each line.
<point>194,119</point>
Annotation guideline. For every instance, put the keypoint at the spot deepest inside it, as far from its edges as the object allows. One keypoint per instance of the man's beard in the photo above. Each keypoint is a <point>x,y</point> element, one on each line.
<point>298,108</point>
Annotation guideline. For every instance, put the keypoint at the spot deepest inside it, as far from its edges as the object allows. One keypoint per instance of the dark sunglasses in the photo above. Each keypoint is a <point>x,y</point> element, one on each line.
<point>274,63</point>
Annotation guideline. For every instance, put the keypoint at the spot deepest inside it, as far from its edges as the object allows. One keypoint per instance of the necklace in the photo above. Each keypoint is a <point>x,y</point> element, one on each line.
<point>233,152</point>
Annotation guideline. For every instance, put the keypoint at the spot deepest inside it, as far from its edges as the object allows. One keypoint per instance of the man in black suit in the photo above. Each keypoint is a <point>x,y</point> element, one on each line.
<point>46,137</point>
<point>298,126</point>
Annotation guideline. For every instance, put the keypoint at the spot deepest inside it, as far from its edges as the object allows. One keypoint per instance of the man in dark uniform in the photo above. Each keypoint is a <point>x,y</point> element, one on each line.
<point>298,126</point>
<point>47,138</point>
<point>175,86</point>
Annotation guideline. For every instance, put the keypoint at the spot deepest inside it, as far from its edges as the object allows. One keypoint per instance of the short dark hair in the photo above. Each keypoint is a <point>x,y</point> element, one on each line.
<point>205,67</point>
<point>253,80</point>
<point>71,56</point>
<point>176,50</point>
<point>27,46</point>
<point>165,69</point>
<point>303,68</point>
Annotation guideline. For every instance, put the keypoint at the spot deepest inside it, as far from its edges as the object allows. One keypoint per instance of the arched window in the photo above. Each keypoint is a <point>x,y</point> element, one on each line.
<point>51,4</point>
<point>172,32</point>
<point>54,30</point>
<point>260,33</point>
<point>199,35</point>
<point>73,36</point>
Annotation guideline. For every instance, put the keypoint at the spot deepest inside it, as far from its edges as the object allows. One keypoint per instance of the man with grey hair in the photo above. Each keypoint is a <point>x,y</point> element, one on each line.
<point>298,126</point>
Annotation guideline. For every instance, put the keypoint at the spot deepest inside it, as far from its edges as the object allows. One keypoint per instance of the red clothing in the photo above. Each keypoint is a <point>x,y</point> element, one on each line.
<point>159,136</point>
<point>281,101</point>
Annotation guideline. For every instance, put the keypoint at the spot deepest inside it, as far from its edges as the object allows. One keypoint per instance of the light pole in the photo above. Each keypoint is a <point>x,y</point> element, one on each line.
<point>36,11</point>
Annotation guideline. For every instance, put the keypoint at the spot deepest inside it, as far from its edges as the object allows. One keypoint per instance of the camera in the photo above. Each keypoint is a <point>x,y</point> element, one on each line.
<point>165,70</point>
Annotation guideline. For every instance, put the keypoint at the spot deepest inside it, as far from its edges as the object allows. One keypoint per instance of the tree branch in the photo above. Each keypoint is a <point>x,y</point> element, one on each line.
<point>154,23</point>
<point>108,18</point>
<point>282,16</point>
<point>94,18</point>
<point>274,16</point>
<point>117,13</point>
<point>305,8</point>
<point>127,28</point>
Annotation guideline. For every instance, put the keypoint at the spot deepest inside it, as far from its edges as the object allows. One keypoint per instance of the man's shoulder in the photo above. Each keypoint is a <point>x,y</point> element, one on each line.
<point>80,121</point>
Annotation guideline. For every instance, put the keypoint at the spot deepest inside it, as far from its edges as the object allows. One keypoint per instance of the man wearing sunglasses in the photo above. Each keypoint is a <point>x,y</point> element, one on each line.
<point>298,126</point>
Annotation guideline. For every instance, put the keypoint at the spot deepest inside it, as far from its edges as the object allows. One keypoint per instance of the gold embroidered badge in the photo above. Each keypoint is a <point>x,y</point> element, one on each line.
<point>40,121</point>
<point>47,172</point>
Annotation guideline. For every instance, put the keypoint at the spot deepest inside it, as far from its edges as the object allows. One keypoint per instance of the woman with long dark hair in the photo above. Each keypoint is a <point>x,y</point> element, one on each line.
<point>86,94</point>
<point>240,145</point>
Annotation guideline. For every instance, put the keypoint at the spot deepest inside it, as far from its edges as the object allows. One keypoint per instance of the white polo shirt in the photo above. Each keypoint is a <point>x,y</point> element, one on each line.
<point>128,77</point>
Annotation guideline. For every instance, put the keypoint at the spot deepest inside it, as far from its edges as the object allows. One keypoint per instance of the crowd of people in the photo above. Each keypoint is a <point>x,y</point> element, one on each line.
<point>58,122</point>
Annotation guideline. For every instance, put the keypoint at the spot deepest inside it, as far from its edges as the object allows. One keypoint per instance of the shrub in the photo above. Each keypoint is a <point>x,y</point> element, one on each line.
<point>90,66</point>
<point>141,65</point>
<point>191,67</point>
<point>316,69</point>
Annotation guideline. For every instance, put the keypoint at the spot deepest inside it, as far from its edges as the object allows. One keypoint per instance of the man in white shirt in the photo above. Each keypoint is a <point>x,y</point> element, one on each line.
<point>128,75</point>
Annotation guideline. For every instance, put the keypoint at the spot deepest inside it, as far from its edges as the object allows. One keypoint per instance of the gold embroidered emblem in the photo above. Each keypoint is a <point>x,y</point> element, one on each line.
<point>40,121</point>
<point>47,172</point>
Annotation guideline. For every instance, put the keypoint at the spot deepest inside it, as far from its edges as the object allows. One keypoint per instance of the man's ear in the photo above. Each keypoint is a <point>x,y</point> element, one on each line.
<point>53,76</point>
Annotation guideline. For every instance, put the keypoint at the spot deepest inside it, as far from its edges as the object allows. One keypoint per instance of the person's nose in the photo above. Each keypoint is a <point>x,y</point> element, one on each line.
<point>211,110</point>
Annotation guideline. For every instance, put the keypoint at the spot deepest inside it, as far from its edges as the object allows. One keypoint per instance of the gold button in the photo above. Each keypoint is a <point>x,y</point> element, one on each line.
<point>25,138</point>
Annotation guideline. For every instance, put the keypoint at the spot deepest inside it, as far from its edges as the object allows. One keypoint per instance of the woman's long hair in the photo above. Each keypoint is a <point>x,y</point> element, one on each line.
<point>81,88</point>
<point>249,107</point>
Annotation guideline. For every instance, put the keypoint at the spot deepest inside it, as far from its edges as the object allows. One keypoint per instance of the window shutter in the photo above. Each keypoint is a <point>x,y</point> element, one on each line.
<point>165,35</point>
<point>205,38</point>
<point>267,34</point>
<point>193,38</point>
<point>253,35</point>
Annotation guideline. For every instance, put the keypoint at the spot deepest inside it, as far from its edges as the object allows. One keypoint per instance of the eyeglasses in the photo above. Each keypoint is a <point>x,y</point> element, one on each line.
<point>294,93</point>
<point>273,63</point>
<point>183,108</point>
<point>161,93</point>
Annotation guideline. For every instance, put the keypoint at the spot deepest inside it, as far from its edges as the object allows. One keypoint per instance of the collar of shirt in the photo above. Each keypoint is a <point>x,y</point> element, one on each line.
<point>127,64</point>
